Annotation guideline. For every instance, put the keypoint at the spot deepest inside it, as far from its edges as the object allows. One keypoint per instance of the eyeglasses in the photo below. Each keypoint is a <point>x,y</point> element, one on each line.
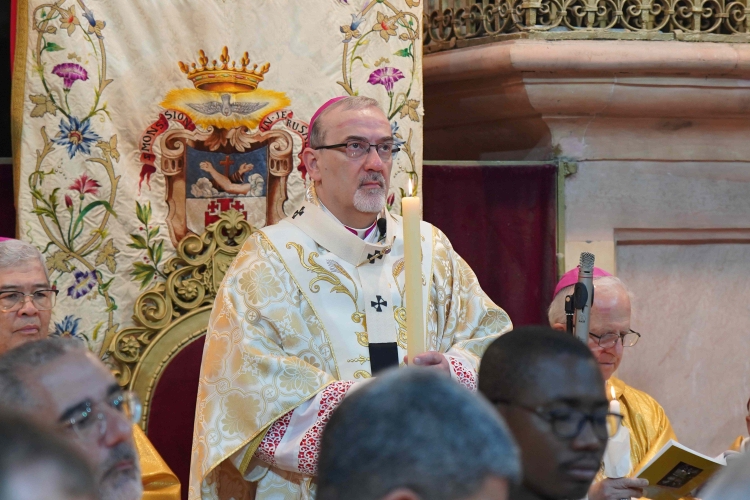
<point>90,422</point>
<point>608,340</point>
<point>568,423</point>
<point>43,300</point>
<point>357,149</point>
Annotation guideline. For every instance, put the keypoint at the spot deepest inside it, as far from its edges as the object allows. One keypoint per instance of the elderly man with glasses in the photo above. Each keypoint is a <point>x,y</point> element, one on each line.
<point>26,298</point>
<point>314,305</point>
<point>36,374</point>
<point>610,334</point>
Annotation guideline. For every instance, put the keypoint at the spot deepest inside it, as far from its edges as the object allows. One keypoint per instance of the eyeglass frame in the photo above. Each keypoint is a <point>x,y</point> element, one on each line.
<point>545,415</point>
<point>100,418</point>
<point>22,301</point>
<point>366,152</point>
<point>622,338</point>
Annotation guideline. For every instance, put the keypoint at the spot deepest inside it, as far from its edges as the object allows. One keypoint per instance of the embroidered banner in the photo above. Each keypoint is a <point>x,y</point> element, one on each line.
<point>139,123</point>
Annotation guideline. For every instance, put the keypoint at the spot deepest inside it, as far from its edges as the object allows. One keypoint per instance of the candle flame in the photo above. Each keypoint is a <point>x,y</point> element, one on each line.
<point>612,391</point>
<point>411,187</point>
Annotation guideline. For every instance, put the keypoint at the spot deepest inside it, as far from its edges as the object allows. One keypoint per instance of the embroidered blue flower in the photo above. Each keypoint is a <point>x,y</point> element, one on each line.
<point>76,136</point>
<point>68,328</point>
<point>89,16</point>
<point>95,27</point>
<point>357,19</point>
<point>397,140</point>
<point>85,281</point>
<point>351,31</point>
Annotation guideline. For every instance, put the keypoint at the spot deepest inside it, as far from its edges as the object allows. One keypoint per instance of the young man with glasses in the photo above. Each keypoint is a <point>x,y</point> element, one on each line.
<point>314,305</point>
<point>610,336</point>
<point>549,390</point>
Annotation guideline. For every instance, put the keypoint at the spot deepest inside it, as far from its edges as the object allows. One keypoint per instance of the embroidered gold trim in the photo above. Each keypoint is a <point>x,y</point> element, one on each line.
<point>18,92</point>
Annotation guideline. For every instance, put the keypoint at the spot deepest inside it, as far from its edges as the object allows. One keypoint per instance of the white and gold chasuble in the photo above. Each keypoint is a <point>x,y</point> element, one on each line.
<point>294,316</point>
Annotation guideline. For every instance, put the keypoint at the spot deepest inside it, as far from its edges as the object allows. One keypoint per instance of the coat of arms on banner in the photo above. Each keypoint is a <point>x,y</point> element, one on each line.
<point>225,144</point>
<point>131,139</point>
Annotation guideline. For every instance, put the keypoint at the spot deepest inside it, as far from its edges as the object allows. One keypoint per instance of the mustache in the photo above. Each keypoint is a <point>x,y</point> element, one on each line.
<point>373,177</point>
<point>119,453</point>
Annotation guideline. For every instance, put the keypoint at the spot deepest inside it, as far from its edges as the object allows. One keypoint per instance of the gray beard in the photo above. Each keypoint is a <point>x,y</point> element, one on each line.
<point>125,485</point>
<point>369,201</point>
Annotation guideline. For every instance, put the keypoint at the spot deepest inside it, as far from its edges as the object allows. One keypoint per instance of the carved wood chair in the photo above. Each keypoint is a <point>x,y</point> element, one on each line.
<point>160,357</point>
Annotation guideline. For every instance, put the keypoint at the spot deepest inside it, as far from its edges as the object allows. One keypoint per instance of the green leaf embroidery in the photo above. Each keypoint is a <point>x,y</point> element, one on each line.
<point>52,47</point>
<point>158,252</point>
<point>143,273</point>
<point>88,208</point>
<point>139,242</point>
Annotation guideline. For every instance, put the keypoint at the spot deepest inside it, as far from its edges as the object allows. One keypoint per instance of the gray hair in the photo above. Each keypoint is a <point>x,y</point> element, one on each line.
<point>733,483</point>
<point>16,363</point>
<point>556,311</point>
<point>417,429</point>
<point>12,252</point>
<point>317,132</point>
<point>23,444</point>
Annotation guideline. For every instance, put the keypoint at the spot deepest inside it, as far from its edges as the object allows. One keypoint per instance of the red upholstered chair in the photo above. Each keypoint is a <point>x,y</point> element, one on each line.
<point>170,422</point>
<point>160,357</point>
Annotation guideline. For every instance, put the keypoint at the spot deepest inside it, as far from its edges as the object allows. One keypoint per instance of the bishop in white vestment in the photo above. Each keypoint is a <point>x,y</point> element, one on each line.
<point>311,307</point>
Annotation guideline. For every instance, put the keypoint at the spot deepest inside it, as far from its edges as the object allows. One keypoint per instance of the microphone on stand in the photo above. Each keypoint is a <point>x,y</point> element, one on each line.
<point>583,296</point>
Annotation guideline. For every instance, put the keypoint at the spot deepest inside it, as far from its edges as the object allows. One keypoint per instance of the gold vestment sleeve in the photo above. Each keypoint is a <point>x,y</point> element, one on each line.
<point>159,482</point>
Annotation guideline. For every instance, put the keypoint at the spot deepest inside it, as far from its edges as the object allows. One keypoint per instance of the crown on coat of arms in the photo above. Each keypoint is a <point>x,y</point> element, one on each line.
<point>224,77</point>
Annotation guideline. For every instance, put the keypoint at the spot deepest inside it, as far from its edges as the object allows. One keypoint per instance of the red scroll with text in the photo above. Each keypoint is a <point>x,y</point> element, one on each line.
<point>148,138</point>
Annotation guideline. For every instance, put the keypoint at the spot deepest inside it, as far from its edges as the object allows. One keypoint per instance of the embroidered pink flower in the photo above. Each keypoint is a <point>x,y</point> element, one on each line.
<point>70,73</point>
<point>85,185</point>
<point>68,201</point>
<point>386,77</point>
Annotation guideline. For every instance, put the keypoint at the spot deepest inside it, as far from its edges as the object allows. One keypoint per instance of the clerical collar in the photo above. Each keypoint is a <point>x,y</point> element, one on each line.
<point>360,233</point>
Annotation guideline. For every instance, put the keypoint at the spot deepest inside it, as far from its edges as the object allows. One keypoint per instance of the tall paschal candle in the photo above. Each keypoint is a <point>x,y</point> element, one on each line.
<point>415,341</point>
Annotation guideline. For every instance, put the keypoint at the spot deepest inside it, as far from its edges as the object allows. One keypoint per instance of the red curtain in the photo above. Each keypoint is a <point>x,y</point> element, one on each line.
<point>502,221</point>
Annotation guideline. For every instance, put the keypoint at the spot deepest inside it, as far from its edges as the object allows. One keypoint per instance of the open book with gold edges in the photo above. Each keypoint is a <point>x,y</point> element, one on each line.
<point>676,471</point>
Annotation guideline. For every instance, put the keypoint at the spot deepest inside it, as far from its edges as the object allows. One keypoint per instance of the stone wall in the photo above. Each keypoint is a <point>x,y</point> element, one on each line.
<point>659,133</point>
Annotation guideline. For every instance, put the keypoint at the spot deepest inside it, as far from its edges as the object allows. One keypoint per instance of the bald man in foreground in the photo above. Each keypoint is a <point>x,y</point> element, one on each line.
<point>414,434</point>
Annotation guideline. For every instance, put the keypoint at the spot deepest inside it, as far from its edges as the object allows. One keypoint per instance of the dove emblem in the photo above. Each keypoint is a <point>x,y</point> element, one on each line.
<point>226,107</point>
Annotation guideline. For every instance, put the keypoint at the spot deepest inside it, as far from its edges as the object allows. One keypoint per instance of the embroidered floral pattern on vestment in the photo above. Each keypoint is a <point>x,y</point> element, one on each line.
<point>267,449</point>
<point>465,377</point>
<point>310,445</point>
